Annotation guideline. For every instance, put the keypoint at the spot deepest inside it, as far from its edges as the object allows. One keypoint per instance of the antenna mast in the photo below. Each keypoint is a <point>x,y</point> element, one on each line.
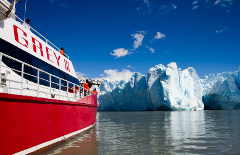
<point>25,10</point>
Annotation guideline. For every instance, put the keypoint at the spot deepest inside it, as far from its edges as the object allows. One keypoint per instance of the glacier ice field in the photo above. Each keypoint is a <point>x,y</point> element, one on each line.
<point>170,88</point>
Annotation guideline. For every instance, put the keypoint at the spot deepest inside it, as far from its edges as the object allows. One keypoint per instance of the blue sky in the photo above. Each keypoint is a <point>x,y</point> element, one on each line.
<point>117,37</point>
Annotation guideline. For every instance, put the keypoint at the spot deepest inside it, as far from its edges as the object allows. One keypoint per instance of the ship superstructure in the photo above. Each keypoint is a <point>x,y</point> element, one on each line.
<point>42,102</point>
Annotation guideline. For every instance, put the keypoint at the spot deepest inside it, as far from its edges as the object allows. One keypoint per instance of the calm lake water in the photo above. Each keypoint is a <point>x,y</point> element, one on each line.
<point>158,132</point>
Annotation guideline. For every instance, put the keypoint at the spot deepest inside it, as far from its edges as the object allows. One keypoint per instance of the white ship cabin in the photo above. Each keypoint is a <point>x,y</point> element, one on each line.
<point>31,65</point>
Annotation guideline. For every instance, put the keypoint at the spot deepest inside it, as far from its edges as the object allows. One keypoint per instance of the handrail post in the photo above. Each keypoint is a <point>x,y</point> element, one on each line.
<point>0,62</point>
<point>59,87</point>
<point>67,91</point>
<point>38,82</point>
<point>22,73</point>
<point>50,85</point>
<point>82,92</point>
<point>80,88</point>
<point>79,92</point>
<point>74,91</point>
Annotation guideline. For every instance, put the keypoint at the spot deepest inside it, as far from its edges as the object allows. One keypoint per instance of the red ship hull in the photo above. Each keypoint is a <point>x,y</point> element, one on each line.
<point>30,124</point>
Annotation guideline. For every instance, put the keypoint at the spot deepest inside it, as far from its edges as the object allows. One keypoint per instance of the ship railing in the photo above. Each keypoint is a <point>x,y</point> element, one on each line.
<point>46,40</point>
<point>62,92</point>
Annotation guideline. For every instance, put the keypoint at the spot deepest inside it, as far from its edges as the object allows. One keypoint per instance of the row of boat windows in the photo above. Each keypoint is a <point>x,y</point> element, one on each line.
<point>19,54</point>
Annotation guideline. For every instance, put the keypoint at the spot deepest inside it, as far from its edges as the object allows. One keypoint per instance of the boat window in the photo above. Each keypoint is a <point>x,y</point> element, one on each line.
<point>28,70</point>
<point>20,55</point>
<point>72,79</point>
<point>63,83</point>
<point>56,80</point>
<point>12,64</point>
<point>44,78</point>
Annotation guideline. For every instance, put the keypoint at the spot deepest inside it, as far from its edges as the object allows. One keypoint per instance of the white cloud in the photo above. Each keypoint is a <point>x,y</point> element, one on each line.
<point>195,7</point>
<point>130,66</point>
<point>52,1</point>
<point>139,38</point>
<point>80,74</point>
<point>120,52</point>
<point>224,3</point>
<point>167,51</point>
<point>151,49</point>
<point>143,32</point>
<point>221,29</point>
<point>116,75</point>
<point>159,36</point>
<point>174,6</point>
<point>220,3</point>
<point>195,2</point>
<point>149,7</point>
<point>217,2</point>
<point>147,3</point>
<point>165,9</point>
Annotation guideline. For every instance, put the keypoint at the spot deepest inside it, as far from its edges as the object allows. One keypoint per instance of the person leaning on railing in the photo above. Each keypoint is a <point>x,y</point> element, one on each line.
<point>86,88</point>
<point>26,25</point>
<point>95,91</point>
<point>70,89</point>
<point>76,89</point>
<point>63,52</point>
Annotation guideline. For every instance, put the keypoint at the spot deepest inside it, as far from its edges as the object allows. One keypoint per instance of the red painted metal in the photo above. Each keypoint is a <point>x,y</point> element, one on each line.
<point>27,121</point>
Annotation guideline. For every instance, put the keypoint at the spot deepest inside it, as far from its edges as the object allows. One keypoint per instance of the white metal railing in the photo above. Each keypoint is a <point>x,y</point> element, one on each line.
<point>46,40</point>
<point>69,96</point>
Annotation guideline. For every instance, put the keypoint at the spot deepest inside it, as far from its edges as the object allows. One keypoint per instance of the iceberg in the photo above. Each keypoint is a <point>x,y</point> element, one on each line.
<point>221,92</point>
<point>123,95</point>
<point>163,88</point>
<point>172,89</point>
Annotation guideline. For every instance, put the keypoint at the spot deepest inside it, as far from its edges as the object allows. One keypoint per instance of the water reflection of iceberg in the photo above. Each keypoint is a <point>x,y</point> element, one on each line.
<point>185,131</point>
<point>82,144</point>
<point>185,124</point>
